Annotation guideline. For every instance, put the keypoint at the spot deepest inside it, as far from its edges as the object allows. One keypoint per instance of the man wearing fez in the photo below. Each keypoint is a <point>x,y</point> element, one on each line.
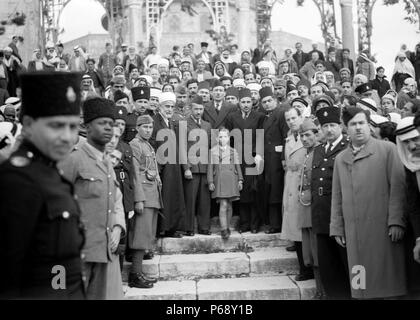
<point>138,94</point>
<point>148,201</point>
<point>275,131</point>
<point>367,210</point>
<point>165,131</point>
<point>248,121</point>
<point>203,91</point>
<point>100,200</point>
<point>197,196</point>
<point>38,210</point>
<point>332,258</point>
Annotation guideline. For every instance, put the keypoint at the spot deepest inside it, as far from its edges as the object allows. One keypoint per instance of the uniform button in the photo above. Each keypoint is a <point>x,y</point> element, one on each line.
<point>61,172</point>
<point>107,229</point>
<point>109,211</point>
<point>323,169</point>
<point>110,193</point>
<point>321,179</point>
<point>66,215</point>
<point>30,155</point>
<point>91,179</point>
<point>109,177</point>
<point>325,159</point>
<point>84,278</point>
<point>82,256</point>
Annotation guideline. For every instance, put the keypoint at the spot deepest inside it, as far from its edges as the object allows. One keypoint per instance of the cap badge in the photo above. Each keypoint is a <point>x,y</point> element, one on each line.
<point>141,92</point>
<point>325,114</point>
<point>71,95</point>
<point>120,112</point>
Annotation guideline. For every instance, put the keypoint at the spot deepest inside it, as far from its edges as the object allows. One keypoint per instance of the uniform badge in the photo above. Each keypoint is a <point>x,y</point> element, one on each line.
<point>71,95</point>
<point>19,162</point>
<point>120,112</point>
<point>141,92</point>
<point>325,114</point>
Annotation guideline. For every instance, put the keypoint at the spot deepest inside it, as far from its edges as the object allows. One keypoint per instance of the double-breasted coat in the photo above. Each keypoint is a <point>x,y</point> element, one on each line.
<point>295,155</point>
<point>367,198</point>
<point>321,185</point>
<point>224,171</point>
<point>217,119</point>
<point>246,148</point>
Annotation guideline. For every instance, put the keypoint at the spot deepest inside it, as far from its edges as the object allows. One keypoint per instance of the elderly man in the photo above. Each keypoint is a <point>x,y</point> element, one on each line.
<point>164,140</point>
<point>107,62</point>
<point>38,210</point>
<point>367,211</point>
<point>332,258</point>
<point>408,146</point>
<point>100,199</point>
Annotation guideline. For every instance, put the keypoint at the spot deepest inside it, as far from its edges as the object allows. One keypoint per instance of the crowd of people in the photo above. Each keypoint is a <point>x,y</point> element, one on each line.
<point>316,147</point>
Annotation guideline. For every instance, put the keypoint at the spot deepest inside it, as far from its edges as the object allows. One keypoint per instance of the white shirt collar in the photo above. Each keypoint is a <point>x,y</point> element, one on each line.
<point>337,141</point>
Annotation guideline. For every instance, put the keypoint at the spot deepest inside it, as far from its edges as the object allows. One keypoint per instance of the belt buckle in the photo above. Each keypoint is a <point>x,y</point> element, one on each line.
<point>122,175</point>
<point>320,191</point>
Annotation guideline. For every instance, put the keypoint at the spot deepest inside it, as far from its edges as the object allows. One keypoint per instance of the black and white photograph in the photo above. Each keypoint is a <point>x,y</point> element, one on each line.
<point>227,152</point>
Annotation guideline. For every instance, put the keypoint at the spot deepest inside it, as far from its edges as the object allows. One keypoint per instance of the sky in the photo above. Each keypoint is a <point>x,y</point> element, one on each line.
<point>81,17</point>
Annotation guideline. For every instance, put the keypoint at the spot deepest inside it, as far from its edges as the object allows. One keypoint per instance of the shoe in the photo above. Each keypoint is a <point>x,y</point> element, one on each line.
<point>273,230</point>
<point>148,279</point>
<point>136,280</point>
<point>254,231</point>
<point>204,232</point>
<point>244,230</point>
<point>224,234</point>
<point>291,248</point>
<point>189,234</point>
<point>149,256</point>
<point>174,234</point>
<point>304,277</point>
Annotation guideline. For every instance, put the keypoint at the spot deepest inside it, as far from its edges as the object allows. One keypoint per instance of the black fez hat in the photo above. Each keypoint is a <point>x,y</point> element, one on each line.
<point>131,67</point>
<point>291,87</point>
<point>350,112</point>
<point>232,91</point>
<point>328,115</point>
<point>204,85</point>
<point>266,92</point>
<point>121,113</point>
<point>322,98</point>
<point>140,93</point>
<point>217,83</point>
<point>244,93</point>
<point>198,100</point>
<point>48,94</point>
<point>204,44</point>
<point>118,95</point>
<point>95,108</point>
<point>364,87</point>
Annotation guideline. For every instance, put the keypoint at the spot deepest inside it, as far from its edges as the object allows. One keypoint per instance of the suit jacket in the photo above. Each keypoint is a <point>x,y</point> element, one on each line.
<point>217,120</point>
<point>100,201</point>
<point>125,173</point>
<point>305,58</point>
<point>334,67</point>
<point>321,185</point>
<point>350,65</point>
<point>203,141</point>
<point>13,46</point>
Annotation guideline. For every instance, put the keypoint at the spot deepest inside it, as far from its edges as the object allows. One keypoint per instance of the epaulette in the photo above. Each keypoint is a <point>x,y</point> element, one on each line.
<point>20,161</point>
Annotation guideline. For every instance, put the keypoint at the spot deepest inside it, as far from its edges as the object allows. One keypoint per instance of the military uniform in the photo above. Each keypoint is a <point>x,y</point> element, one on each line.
<point>130,128</point>
<point>332,258</point>
<point>42,229</point>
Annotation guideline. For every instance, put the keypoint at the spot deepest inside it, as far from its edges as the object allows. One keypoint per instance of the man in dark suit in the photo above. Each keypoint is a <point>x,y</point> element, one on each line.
<point>218,109</point>
<point>315,49</point>
<point>300,57</point>
<point>248,120</point>
<point>332,258</point>
<point>197,195</point>
<point>346,62</point>
<point>332,63</point>
<point>13,45</point>
<point>275,131</point>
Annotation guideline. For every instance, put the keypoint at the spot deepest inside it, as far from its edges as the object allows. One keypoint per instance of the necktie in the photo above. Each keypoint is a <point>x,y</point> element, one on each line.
<point>330,148</point>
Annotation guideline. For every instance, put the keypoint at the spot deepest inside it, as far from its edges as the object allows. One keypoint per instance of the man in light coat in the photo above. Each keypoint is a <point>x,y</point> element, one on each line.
<point>367,212</point>
<point>100,201</point>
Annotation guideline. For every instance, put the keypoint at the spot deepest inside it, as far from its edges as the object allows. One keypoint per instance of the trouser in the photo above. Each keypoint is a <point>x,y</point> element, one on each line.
<point>248,216</point>
<point>96,280</point>
<point>197,201</point>
<point>303,269</point>
<point>333,267</point>
<point>275,215</point>
<point>310,256</point>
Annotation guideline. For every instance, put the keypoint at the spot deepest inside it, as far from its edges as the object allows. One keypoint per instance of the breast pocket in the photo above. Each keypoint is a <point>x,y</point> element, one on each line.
<point>90,186</point>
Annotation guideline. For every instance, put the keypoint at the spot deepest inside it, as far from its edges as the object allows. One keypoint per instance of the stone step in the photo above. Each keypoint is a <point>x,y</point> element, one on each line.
<point>219,265</point>
<point>214,243</point>
<point>251,288</point>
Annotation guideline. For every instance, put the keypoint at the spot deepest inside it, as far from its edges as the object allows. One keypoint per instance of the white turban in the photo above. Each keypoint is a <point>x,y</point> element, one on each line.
<point>167,96</point>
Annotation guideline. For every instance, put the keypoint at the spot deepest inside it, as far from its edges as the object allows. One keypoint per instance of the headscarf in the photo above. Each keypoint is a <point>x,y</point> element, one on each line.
<point>314,77</point>
<point>226,74</point>
<point>404,67</point>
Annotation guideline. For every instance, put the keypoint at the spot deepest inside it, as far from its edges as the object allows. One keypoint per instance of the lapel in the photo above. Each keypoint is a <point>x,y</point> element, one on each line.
<point>211,110</point>
<point>222,114</point>
<point>162,121</point>
<point>367,151</point>
<point>294,145</point>
<point>99,164</point>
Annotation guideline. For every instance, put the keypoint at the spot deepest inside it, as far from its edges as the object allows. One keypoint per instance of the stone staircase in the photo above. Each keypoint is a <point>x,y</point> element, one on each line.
<point>245,267</point>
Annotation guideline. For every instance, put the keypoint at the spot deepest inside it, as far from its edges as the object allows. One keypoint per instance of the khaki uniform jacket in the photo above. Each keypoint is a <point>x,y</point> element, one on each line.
<point>100,201</point>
